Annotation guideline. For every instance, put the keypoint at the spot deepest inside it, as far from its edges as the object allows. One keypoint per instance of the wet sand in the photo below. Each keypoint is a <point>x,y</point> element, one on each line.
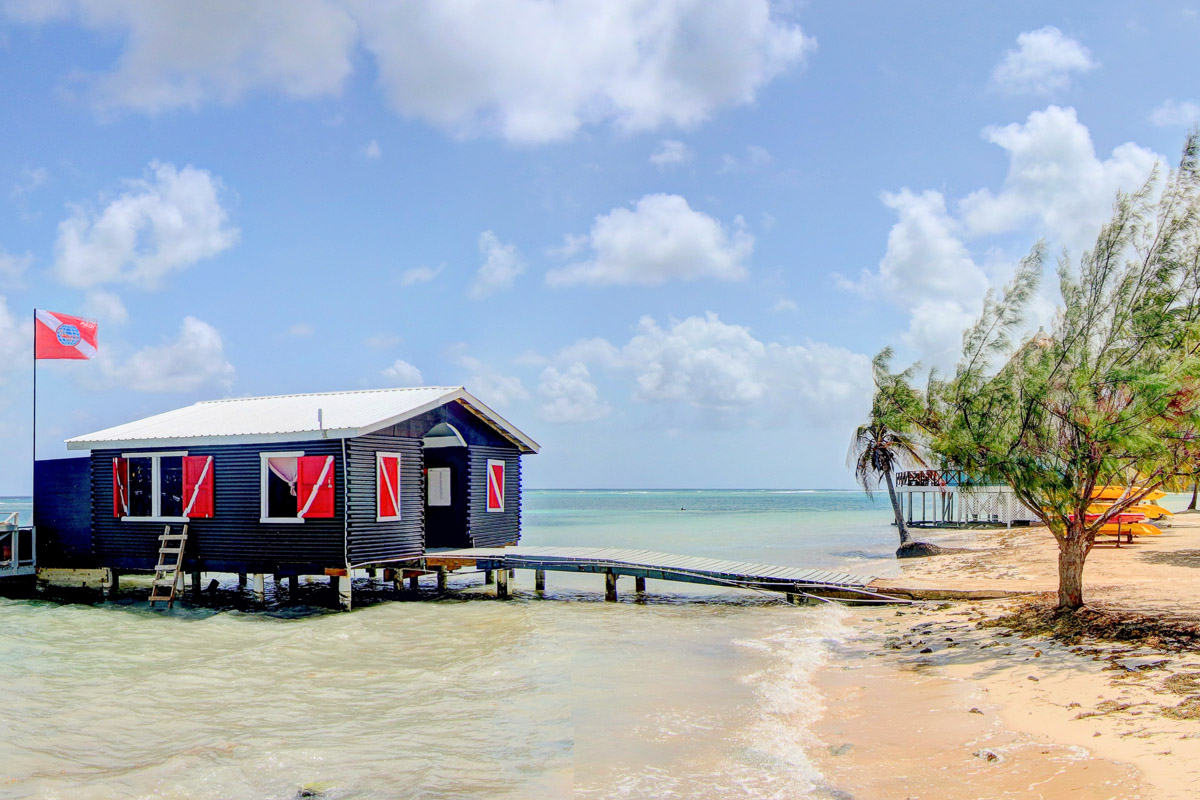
<point>937,706</point>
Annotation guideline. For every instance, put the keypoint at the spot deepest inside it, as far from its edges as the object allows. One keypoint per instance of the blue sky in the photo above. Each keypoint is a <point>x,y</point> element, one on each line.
<point>663,238</point>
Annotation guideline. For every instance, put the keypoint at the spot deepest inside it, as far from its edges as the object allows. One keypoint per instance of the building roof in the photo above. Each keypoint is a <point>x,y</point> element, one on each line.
<point>291,418</point>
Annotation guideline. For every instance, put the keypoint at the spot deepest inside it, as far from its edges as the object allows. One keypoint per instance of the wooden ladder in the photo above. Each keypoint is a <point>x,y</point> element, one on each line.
<point>166,574</point>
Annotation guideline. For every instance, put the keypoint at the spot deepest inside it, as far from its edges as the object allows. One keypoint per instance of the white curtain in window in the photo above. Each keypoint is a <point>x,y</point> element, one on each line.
<point>286,469</point>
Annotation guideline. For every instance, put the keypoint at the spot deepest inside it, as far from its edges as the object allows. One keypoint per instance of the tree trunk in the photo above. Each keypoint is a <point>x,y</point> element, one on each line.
<point>1192,505</point>
<point>899,512</point>
<point>1073,549</point>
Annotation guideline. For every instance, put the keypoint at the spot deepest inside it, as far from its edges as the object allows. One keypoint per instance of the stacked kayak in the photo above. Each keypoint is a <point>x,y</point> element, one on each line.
<point>1133,521</point>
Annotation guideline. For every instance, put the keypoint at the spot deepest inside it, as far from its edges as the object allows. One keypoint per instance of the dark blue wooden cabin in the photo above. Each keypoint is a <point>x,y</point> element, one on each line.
<point>292,485</point>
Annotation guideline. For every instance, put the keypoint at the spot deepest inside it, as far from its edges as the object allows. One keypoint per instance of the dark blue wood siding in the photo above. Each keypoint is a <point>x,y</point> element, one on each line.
<point>496,528</point>
<point>371,542</point>
<point>233,540</point>
<point>61,509</point>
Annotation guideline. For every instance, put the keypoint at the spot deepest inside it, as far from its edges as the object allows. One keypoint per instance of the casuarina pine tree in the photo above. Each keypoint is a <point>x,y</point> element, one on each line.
<point>1110,395</point>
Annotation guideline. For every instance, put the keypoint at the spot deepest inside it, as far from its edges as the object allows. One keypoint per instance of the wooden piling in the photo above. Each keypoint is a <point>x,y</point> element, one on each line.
<point>414,583</point>
<point>539,580</point>
<point>293,586</point>
<point>610,587</point>
<point>639,585</point>
<point>342,582</point>
<point>241,580</point>
<point>441,579</point>
<point>488,577</point>
<point>110,589</point>
<point>502,584</point>
<point>260,587</point>
<point>196,578</point>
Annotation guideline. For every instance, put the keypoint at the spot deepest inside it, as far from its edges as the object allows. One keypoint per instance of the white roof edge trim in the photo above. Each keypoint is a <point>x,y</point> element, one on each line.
<point>200,441</point>
<point>458,394</point>
<point>441,400</point>
<point>533,446</point>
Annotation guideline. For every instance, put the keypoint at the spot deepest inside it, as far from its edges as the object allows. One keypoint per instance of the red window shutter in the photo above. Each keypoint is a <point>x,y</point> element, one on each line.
<point>495,485</point>
<point>120,483</point>
<point>198,486</point>
<point>314,486</point>
<point>387,486</point>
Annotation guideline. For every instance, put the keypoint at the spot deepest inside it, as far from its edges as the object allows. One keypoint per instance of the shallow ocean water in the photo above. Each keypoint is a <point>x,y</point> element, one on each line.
<point>695,693</point>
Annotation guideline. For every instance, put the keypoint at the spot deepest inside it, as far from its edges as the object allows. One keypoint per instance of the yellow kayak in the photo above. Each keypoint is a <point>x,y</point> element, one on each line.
<point>1150,510</point>
<point>1115,493</point>
<point>1131,529</point>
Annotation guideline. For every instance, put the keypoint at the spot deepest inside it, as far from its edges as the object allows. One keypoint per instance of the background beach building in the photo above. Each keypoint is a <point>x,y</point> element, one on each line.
<point>309,484</point>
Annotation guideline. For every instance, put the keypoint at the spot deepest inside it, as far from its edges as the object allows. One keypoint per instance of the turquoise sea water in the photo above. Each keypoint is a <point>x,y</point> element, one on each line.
<point>802,527</point>
<point>696,693</point>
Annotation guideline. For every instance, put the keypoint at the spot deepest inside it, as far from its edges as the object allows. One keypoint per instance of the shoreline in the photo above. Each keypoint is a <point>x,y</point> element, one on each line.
<point>936,700</point>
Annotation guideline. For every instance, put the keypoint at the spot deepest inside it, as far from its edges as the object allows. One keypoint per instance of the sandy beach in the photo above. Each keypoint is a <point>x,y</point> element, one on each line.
<point>949,704</point>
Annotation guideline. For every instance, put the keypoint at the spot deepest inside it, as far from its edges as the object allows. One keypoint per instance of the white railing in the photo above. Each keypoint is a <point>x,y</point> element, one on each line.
<point>18,548</point>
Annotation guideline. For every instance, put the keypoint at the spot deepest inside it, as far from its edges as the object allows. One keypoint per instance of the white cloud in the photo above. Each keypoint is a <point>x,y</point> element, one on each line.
<point>670,152</point>
<point>526,71</point>
<point>700,361</point>
<point>1042,64</point>
<point>187,54</point>
<point>502,264</point>
<point>928,271</point>
<point>1056,187</point>
<point>301,329</point>
<point>491,386</point>
<point>1175,114</point>
<point>13,268</point>
<point>419,275</point>
<point>536,72</point>
<point>570,395</point>
<point>194,360</point>
<point>756,158</point>
<point>1055,180</point>
<point>105,306</point>
<point>383,341</point>
<point>372,150</point>
<point>713,366</point>
<point>662,238</point>
<point>402,373</point>
<point>16,342</point>
<point>31,180</point>
<point>165,222</point>
<point>784,304</point>
<point>924,255</point>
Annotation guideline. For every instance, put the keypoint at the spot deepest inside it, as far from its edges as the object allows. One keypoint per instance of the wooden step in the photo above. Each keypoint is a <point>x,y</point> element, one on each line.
<point>166,572</point>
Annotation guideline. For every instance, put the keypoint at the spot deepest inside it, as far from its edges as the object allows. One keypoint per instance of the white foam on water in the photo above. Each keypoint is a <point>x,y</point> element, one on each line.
<point>789,704</point>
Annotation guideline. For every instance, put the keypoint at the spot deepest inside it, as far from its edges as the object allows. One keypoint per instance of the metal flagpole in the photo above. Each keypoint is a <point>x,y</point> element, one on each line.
<point>33,467</point>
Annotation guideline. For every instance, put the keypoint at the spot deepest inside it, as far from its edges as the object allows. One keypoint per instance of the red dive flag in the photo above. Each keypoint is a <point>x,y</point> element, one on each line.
<point>63,336</point>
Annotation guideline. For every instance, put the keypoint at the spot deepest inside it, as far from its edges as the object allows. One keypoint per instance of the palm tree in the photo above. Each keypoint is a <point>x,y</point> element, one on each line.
<point>885,445</point>
<point>876,452</point>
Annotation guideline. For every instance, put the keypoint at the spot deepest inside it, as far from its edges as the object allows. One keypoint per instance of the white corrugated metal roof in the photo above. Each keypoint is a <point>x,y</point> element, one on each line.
<point>286,418</point>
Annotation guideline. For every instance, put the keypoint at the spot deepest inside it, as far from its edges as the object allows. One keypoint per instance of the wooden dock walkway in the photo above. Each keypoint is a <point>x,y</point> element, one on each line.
<point>797,583</point>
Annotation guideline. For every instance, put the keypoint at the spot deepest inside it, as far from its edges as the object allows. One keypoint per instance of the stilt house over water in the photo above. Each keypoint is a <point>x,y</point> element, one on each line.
<point>311,484</point>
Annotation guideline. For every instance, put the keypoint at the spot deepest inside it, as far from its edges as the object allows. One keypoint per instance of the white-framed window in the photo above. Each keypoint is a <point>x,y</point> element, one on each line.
<point>495,485</point>
<point>153,485</point>
<point>279,473</point>
<point>387,486</point>
<point>295,487</point>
